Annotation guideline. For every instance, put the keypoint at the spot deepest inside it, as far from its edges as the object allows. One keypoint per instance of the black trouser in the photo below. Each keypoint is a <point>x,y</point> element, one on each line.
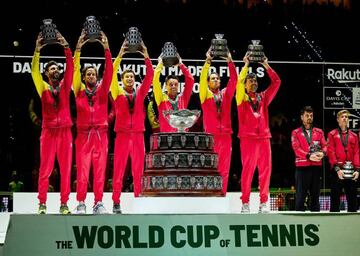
<point>307,178</point>
<point>336,190</point>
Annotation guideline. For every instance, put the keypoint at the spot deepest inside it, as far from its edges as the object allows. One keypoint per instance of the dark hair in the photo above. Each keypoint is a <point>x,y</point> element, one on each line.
<point>251,75</point>
<point>308,109</point>
<point>127,71</point>
<point>83,71</point>
<point>171,77</point>
<point>49,64</point>
<point>212,73</point>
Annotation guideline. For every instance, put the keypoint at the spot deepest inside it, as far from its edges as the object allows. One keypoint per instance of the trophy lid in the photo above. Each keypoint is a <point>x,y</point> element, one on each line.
<point>255,42</point>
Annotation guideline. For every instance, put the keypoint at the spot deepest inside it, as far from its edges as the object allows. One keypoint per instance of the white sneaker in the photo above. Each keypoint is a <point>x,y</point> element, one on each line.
<point>245,208</point>
<point>263,208</point>
<point>81,208</point>
<point>99,208</point>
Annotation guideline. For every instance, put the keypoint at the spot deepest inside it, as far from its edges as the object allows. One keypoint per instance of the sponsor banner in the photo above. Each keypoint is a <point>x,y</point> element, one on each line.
<point>338,98</point>
<point>342,75</point>
<point>227,234</point>
<point>22,65</point>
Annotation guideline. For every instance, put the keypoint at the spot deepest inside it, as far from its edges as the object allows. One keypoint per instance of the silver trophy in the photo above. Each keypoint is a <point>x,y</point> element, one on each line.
<point>219,46</point>
<point>133,37</point>
<point>49,31</point>
<point>181,119</point>
<point>348,170</point>
<point>169,54</point>
<point>256,51</point>
<point>92,28</point>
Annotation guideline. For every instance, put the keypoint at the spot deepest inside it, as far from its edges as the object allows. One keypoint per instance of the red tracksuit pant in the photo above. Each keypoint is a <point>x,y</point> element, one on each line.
<point>223,147</point>
<point>91,148</point>
<point>55,142</point>
<point>128,144</point>
<point>255,153</point>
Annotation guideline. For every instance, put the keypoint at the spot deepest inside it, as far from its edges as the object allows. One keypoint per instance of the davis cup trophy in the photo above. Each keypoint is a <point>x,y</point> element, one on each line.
<point>256,51</point>
<point>49,31</point>
<point>133,37</point>
<point>348,170</point>
<point>219,46</point>
<point>181,163</point>
<point>181,119</point>
<point>92,28</point>
<point>169,54</point>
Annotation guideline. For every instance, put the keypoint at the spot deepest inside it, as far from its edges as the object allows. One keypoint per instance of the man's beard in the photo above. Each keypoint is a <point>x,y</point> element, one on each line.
<point>55,78</point>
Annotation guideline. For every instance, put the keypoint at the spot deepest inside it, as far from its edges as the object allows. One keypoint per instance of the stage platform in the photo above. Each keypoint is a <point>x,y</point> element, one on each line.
<point>175,226</point>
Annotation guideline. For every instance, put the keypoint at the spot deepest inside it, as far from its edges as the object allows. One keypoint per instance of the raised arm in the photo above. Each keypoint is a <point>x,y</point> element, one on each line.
<point>145,86</point>
<point>108,70</point>
<point>69,71</point>
<point>231,85</point>
<point>203,77</point>
<point>77,72</point>
<point>240,86</point>
<point>35,69</point>
<point>189,82</point>
<point>271,91</point>
<point>158,94</point>
<point>114,88</point>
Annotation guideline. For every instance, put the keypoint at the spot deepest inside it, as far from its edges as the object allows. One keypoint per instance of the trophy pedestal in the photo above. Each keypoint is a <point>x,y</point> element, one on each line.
<point>181,164</point>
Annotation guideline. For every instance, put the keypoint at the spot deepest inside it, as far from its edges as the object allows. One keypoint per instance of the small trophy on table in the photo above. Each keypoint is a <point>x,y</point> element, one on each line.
<point>256,51</point>
<point>49,31</point>
<point>92,28</point>
<point>133,37</point>
<point>219,46</point>
<point>169,54</point>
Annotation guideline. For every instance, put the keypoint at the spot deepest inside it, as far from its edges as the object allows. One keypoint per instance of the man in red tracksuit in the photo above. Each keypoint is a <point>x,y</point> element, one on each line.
<point>171,100</point>
<point>309,145</point>
<point>129,124</point>
<point>216,107</point>
<point>343,146</point>
<point>92,125</point>
<point>56,137</point>
<point>254,132</point>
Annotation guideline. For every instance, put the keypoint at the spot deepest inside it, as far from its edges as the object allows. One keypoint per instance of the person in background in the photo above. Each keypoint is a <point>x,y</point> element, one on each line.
<point>56,137</point>
<point>254,131</point>
<point>92,125</point>
<point>310,147</point>
<point>171,100</point>
<point>343,146</point>
<point>216,107</point>
<point>129,123</point>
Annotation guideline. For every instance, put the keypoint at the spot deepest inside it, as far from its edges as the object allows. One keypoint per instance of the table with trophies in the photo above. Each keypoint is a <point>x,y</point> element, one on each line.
<point>181,163</point>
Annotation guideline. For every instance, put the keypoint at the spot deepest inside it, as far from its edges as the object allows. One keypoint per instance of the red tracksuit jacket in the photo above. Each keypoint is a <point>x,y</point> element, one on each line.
<point>338,154</point>
<point>301,147</point>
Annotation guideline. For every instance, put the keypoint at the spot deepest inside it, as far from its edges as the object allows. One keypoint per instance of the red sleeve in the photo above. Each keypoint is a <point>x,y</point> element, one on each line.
<point>189,83</point>
<point>271,91</point>
<point>69,71</point>
<point>231,85</point>
<point>108,72</point>
<point>145,86</point>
